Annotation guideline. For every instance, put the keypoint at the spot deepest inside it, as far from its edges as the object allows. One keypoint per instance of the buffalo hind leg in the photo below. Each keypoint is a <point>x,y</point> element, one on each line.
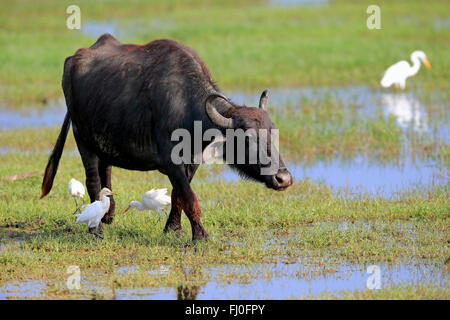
<point>189,202</point>
<point>90,163</point>
<point>105,180</point>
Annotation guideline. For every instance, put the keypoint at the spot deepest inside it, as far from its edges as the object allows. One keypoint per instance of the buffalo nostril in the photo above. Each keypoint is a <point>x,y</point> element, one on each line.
<point>283,178</point>
<point>279,179</point>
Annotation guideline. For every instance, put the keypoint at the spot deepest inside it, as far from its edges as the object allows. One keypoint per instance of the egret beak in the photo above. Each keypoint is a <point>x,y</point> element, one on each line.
<point>427,63</point>
<point>128,208</point>
<point>114,193</point>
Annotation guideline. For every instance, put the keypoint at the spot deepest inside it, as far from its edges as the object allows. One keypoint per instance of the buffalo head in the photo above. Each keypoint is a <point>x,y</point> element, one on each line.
<point>256,155</point>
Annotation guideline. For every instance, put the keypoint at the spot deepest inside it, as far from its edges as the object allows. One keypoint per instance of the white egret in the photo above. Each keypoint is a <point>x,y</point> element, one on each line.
<point>400,71</point>
<point>152,200</point>
<point>93,213</point>
<point>76,190</point>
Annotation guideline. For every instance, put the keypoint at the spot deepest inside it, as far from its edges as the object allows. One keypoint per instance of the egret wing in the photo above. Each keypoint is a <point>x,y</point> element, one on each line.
<point>154,199</point>
<point>395,73</point>
<point>155,192</point>
<point>149,202</point>
<point>164,200</point>
<point>90,212</point>
<point>79,188</point>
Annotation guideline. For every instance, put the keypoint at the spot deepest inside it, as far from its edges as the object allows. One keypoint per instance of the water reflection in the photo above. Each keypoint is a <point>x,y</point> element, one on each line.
<point>405,107</point>
<point>295,281</point>
<point>260,281</point>
<point>365,98</point>
<point>407,111</point>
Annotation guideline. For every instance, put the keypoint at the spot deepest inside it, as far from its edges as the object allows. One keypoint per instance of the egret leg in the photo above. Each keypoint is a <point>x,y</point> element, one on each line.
<point>97,232</point>
<point>159,215</point>
<point>165,212</point>
<point>76,206</point>
<point>98,235</point>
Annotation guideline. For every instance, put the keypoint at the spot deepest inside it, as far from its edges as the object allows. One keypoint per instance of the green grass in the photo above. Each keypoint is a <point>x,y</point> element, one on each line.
<point>247,224</point>
<point>246,44</point>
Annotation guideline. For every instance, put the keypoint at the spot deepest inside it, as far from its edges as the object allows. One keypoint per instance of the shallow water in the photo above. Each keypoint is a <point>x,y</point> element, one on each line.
<point>360,176</point>
<point>32,118</point>
<point>289,284</point>
<point>442,23</point>
<point>22,290</point>
<point>96,28</point>
<point>120,30</point>
<point>267,281</point>
<point>406,107</point>
<point>357,175</point>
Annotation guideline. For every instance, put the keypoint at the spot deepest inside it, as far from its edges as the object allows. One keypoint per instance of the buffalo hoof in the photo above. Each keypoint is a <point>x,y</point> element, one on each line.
<point>200,235</point>
<point>172,227</point>
<point>108,218</point>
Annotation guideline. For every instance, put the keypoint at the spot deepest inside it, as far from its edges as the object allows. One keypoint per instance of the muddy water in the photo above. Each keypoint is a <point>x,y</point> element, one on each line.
<point>266,281</point>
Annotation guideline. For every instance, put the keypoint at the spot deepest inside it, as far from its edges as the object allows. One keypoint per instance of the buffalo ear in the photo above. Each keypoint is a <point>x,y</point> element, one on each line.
<point>263,99</point>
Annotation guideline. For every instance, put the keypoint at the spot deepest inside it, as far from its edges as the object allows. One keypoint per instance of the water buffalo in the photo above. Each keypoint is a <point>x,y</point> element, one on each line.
<point>124,102</point>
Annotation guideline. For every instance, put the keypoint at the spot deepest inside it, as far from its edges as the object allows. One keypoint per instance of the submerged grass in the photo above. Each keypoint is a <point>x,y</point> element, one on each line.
<point>399,292</point>
<point>307,133</point>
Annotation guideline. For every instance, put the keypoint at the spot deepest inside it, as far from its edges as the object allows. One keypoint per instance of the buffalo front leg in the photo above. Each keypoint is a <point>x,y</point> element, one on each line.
<point>189,202</point>
<point>105,180</point>
<point>174,221</point>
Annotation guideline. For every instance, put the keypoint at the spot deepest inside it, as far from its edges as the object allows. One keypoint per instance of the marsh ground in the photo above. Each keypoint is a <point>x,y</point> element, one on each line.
<point>371,165</point>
